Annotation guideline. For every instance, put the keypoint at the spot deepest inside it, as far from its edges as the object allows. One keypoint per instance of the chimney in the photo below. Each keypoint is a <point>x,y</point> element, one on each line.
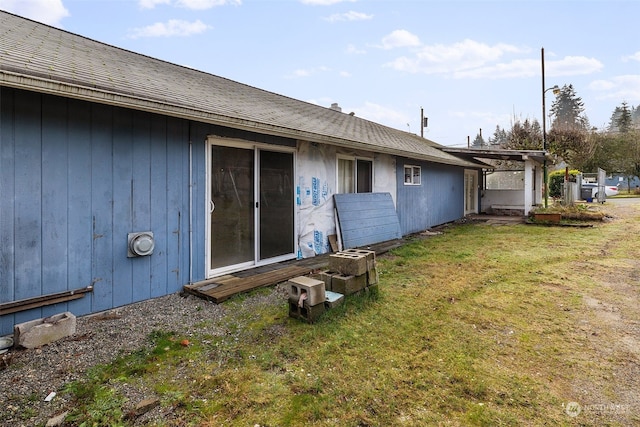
<point>336,107</point>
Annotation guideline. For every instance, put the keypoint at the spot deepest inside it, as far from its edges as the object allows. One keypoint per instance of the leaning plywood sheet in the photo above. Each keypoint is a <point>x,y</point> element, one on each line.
<point>366,218</point>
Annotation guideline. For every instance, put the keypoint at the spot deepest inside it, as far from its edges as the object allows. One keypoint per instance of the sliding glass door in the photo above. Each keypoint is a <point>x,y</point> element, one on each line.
<point>251,209</point>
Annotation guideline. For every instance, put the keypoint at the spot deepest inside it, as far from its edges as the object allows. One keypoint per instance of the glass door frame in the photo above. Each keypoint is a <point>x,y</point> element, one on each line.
<point>256,148</point>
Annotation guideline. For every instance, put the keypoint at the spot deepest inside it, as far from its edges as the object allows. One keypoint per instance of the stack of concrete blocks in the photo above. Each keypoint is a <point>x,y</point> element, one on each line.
<point>351,271</point>
<point>307,298</point>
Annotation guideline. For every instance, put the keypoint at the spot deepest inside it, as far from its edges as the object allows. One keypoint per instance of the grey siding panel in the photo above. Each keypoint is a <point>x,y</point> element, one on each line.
<point>438,200</point>
<point>366,218</point>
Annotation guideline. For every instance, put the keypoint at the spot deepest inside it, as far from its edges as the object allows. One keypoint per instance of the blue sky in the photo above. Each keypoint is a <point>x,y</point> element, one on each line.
<point>470,65</point>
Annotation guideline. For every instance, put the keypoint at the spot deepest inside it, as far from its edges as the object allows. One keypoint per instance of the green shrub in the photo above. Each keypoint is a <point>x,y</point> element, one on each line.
<point>556,178</point>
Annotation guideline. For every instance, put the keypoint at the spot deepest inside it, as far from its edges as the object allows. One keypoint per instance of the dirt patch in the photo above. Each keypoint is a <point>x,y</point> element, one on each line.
<point>609,327</point>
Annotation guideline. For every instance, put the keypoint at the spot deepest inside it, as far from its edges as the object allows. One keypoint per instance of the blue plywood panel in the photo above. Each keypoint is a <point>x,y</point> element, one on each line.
<point>54,199</point>
<point>123,206</point>
<point>7,206</point>
<point>158,206</point>
<point>80,235</point>
<point>366,218</point>
<point>141,202</point>
<point>437,200</point>
<point>102,206</point>
<point>7,202</point>
<point>28,196</point>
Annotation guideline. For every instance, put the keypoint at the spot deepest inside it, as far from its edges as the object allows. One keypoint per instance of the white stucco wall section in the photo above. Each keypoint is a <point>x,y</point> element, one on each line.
<point>316,174</point>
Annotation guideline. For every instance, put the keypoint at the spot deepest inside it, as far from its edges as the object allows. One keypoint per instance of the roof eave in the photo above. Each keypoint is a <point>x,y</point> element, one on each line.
<point>84,93</point>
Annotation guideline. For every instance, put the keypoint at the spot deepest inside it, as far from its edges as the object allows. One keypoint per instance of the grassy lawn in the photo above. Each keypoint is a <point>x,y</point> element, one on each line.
<point>476,326</point>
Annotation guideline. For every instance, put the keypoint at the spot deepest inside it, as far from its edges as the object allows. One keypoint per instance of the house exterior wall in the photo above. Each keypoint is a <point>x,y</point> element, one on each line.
<point>316,184</point>
<point>437,200</point>
<point>75,179</point>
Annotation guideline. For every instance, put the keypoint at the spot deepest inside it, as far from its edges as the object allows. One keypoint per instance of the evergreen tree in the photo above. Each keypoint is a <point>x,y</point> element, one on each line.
<point>624,121</point>
<point>500,137</point>
<point>479,142</point>
<point>525,135</point>
<point>568,111</point>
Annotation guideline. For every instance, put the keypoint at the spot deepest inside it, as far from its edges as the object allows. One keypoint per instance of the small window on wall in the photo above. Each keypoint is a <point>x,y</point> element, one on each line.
<point>412,175</point>
<point>355,175</point>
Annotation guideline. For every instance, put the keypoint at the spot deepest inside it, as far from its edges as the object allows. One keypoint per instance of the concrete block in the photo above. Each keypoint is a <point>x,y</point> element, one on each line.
<point>348,264</point>
<point>334,299</point>
<point>39,332</point>
<point>313,289</point>
<point>348,285</point>
<point>326,277</point>
<point>372,276</point>
<point>306,313</point>
<point>370,255</point>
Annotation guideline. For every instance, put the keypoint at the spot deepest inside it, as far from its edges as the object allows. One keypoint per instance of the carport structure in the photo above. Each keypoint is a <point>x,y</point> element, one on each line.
<point>512,182</point>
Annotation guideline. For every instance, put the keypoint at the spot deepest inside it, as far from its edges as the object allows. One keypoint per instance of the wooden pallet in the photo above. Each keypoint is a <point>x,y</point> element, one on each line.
<point>222,288</point>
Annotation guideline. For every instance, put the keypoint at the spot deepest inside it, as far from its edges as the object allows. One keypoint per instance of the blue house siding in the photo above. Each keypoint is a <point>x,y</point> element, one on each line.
<point>75,179</point>
<point>437,200</point>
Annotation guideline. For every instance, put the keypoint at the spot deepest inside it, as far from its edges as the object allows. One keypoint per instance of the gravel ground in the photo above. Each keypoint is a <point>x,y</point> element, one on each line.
<point>28,376</point>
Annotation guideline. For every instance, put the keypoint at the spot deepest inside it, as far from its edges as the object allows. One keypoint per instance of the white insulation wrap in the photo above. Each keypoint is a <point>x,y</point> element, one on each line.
<point>316,169</point>
<point>316,166</point>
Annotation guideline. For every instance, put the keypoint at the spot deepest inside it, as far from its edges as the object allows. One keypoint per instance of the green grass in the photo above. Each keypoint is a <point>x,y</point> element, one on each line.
<point>472,327</point>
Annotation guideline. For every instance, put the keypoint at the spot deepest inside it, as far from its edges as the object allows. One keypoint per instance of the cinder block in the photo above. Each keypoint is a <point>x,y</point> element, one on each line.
<point>39,332</point>
<point>348,285</point>
<point>313,288</point>
<point>306,313</point>
<point>348,264</point>
<point>372,276</point>
<point>326,277</point>
<point>334,299</point>
<point>371,255</point>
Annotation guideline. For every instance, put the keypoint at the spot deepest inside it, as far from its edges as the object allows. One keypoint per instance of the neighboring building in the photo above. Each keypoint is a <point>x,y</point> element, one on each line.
<point>124,178</point>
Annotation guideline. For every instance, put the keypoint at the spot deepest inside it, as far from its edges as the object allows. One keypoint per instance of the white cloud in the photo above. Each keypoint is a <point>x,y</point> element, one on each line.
<point>625,87</point>
<point>206,4</point>
<point>171,28</point>
<point>49,12</point>
<point>457,57</point>
<point>400,38</point>
<point>150,4</point>
<point>632,57</point>
<point>353,50</point>
<point>349,16</point>
<point>189,4</point>
<point>381,114</point>
<point>324,2</point>
<point>306,72</point>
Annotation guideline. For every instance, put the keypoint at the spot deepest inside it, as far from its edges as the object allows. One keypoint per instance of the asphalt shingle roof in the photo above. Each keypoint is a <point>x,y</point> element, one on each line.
<point>41,58</point>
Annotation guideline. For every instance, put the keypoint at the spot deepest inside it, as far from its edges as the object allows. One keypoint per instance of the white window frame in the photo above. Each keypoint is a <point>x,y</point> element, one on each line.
<point>354,178</point>
<point>412,176</point>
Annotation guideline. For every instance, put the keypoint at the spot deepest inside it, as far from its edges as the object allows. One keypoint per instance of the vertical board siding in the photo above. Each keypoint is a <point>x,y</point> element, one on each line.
<point>80,225</point>
<point>54,198</point>
<point>7,218</point>
<point>76,178</point>
<point>102,206</point>
<point>438,200</point>
<point>366,218</point>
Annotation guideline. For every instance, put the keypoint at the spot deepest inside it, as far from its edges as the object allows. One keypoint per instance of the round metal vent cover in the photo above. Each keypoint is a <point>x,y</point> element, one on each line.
<point>140,244</point>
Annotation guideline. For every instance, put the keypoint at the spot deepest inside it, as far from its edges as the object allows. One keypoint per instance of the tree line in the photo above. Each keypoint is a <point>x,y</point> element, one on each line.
<point>570,136</point>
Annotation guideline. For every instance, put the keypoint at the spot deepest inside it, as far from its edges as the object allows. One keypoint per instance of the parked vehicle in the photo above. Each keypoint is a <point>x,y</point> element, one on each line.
<point>609,190</point>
